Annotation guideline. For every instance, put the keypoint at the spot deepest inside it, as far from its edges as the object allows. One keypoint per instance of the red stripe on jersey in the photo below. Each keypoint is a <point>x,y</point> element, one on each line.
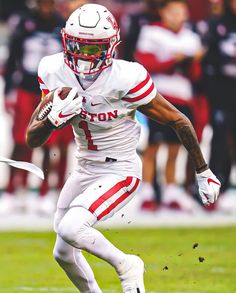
<point>109,193</point>
<point>45,91</point>
<point>140,85</point>
<point>140,96</point>
<point>40,80</point>
<point>118,201</point>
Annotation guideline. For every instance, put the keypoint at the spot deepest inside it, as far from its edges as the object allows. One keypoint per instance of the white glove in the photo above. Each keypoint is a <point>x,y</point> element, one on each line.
<point>209,186</point>
<point>63,110</point>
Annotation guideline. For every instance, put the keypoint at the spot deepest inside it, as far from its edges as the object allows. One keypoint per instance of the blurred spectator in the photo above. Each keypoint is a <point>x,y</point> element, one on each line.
<point>132,23</point>
<point>201,88</point>
<point>221,93</point>
<point>216,8</point>
<point>66,7</point>
<point>203,26</point>
<point>74,4</point>
<point>197,9</point>
<point>171,53</point>
<point>35,34</point>
<point>9,7</point>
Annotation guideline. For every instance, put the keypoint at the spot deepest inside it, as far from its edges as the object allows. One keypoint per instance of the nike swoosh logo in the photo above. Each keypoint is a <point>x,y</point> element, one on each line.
<point>209,180</point>
<point>92,104</point>
<point>61,115</point>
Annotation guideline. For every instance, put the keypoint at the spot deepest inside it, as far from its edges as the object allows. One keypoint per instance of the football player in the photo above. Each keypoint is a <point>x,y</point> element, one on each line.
<point>100,107</point>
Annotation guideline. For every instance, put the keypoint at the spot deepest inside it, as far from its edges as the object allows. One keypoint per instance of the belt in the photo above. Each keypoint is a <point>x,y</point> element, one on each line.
<point>110,159</point>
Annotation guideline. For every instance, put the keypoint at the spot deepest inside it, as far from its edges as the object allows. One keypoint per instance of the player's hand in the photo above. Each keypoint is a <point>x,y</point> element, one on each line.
<point>199,55</point>
<point>64,110</point>
<point>209,186</point>
<point>180,57</point>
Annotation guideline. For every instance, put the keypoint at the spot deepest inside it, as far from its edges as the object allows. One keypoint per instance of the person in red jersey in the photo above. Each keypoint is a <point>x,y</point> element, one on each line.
<point>101,107</point>
<point>35,34</point>
<point>171,53</point>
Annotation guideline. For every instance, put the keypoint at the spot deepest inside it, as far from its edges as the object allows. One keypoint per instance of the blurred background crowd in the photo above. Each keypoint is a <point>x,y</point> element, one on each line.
<point>189,48</point>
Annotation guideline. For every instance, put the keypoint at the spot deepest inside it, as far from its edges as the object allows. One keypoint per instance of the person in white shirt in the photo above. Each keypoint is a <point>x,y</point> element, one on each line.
<point>100,107</point>
<point>171,53</point>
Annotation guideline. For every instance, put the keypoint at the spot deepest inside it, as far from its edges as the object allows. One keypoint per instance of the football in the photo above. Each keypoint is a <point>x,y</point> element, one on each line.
<point>46,104</point>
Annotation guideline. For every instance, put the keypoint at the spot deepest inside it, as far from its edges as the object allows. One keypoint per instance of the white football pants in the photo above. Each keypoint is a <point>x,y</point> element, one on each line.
<point>83,202</point>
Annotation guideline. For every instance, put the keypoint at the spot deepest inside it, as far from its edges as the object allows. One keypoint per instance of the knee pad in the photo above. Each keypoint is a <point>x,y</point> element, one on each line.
<point>63,254</point>
<point>74,226</point>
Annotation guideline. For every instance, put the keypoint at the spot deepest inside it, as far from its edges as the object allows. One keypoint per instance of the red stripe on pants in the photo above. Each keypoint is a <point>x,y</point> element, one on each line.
<point>110,193</point>
<point>118,201</point>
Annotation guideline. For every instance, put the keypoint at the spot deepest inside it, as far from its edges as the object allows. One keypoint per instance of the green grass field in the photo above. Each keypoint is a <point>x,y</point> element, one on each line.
<point>172,264</point>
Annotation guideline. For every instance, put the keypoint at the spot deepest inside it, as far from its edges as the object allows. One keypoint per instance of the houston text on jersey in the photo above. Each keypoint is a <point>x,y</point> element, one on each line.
<point>98,116</point>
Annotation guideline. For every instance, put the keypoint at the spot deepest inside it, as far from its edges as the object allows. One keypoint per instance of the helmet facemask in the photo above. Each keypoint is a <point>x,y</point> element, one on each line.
<point>86,56</point>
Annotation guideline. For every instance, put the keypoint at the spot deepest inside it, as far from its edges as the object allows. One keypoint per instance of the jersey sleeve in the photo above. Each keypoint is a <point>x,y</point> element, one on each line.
<point>142,89</point>
<point>42,77</point>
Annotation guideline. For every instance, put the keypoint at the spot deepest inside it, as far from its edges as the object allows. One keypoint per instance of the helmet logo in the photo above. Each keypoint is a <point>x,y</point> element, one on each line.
<point>112,22</point>
<point>89,34</point>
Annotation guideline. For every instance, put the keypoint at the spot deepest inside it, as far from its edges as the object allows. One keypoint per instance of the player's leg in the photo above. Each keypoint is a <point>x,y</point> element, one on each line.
<point>20,153</point>
<point>173,196</point>
<point>147,190</point>
<point>101,200</point>
<point>81,235</point>
<point>173,150</point>
<point>23,110</point>
<point>76,267</point>
<point>69,258</point>
<point>170,190</point>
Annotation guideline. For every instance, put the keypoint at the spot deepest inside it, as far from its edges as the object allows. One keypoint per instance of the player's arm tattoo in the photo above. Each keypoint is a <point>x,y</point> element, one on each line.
<point>163,112</point>
<point>187,136</point>
<point>38,132</point>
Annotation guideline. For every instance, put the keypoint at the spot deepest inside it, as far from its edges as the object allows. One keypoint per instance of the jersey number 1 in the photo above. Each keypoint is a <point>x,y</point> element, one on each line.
<point>84,125</point>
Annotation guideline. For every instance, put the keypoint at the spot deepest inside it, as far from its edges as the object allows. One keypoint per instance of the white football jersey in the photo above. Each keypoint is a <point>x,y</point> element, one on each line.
<point>105,128</point>
<point>164,45</point>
